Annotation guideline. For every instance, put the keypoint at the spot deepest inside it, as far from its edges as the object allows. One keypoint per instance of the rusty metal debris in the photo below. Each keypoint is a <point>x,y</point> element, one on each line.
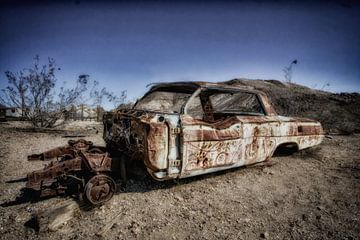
<point>80,166</point>
<point>177,130</point>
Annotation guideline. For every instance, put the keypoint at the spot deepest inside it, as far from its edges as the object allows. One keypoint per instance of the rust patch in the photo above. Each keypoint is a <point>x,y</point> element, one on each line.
<point>157,139</point>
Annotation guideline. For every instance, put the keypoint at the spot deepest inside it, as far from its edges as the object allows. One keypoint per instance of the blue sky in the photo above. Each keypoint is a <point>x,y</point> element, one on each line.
<point>127,45</point>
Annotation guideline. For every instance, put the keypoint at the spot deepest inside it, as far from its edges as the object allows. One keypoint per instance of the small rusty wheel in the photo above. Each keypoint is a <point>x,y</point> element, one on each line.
<point>99,189</point>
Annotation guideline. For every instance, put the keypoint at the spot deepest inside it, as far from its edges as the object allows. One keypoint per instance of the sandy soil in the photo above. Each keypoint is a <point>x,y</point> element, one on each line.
<point>313,194</point>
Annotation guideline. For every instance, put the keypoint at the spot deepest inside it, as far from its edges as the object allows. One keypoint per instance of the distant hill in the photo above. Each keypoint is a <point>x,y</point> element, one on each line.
<point>338,113</point>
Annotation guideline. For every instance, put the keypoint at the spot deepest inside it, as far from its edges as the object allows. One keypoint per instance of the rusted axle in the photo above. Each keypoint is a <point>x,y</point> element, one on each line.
<point>80,166</point>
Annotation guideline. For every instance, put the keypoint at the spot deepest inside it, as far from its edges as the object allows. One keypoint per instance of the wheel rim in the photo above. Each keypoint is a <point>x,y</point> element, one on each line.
<point>99,189</point>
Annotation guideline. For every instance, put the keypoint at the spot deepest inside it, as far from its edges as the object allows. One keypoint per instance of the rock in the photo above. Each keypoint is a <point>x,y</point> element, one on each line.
<point>179,198</point>
<point>264,235</point>
<point>115,225</point>
<point>268,171</point>
<point>53,218</point>
<point>320,208</point>
<point>22,217</point>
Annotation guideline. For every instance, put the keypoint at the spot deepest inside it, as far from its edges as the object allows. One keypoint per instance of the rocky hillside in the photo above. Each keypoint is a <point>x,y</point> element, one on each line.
<point>339,113</point>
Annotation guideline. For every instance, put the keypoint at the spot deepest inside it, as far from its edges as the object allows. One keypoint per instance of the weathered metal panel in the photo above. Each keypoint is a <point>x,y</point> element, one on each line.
<point>248,140</point>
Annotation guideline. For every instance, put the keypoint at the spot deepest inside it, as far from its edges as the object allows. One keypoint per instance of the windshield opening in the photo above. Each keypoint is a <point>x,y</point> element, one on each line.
<point>163,100</point>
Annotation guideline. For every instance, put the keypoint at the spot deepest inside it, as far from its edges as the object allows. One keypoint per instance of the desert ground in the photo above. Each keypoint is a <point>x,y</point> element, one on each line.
<point>312,194</point>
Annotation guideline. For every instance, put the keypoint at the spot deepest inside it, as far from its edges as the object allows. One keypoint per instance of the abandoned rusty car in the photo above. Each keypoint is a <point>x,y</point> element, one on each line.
<point>176,130</point>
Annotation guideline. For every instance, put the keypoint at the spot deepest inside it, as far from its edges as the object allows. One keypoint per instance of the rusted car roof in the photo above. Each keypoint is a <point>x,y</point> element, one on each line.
<point>192,86</point>
<point>201,84</point>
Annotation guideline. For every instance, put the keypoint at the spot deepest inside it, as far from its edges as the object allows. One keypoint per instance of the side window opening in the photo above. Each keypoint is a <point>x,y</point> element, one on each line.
<point>215,105</point>
<point>239,103</point>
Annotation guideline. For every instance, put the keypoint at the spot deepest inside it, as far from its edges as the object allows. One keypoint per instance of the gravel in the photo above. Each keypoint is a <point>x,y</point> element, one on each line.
<point>313,194</point>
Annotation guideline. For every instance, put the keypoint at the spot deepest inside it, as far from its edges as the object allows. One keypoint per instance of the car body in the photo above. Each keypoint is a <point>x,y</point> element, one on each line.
<point>184,129</point>
<point>175,130</point>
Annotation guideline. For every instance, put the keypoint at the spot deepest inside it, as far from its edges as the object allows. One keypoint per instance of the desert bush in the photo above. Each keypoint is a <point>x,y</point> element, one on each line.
<point>34,91</point>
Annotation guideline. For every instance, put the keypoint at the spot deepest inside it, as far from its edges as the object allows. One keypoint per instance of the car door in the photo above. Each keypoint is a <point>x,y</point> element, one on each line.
<point>223,128</point>
<point>209,144</point>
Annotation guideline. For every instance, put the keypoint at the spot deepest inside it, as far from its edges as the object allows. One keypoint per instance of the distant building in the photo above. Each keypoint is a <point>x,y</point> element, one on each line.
<point>84,112</point>
<point>13,112</point>
<point>81,112</point>
<point>10,112</point>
